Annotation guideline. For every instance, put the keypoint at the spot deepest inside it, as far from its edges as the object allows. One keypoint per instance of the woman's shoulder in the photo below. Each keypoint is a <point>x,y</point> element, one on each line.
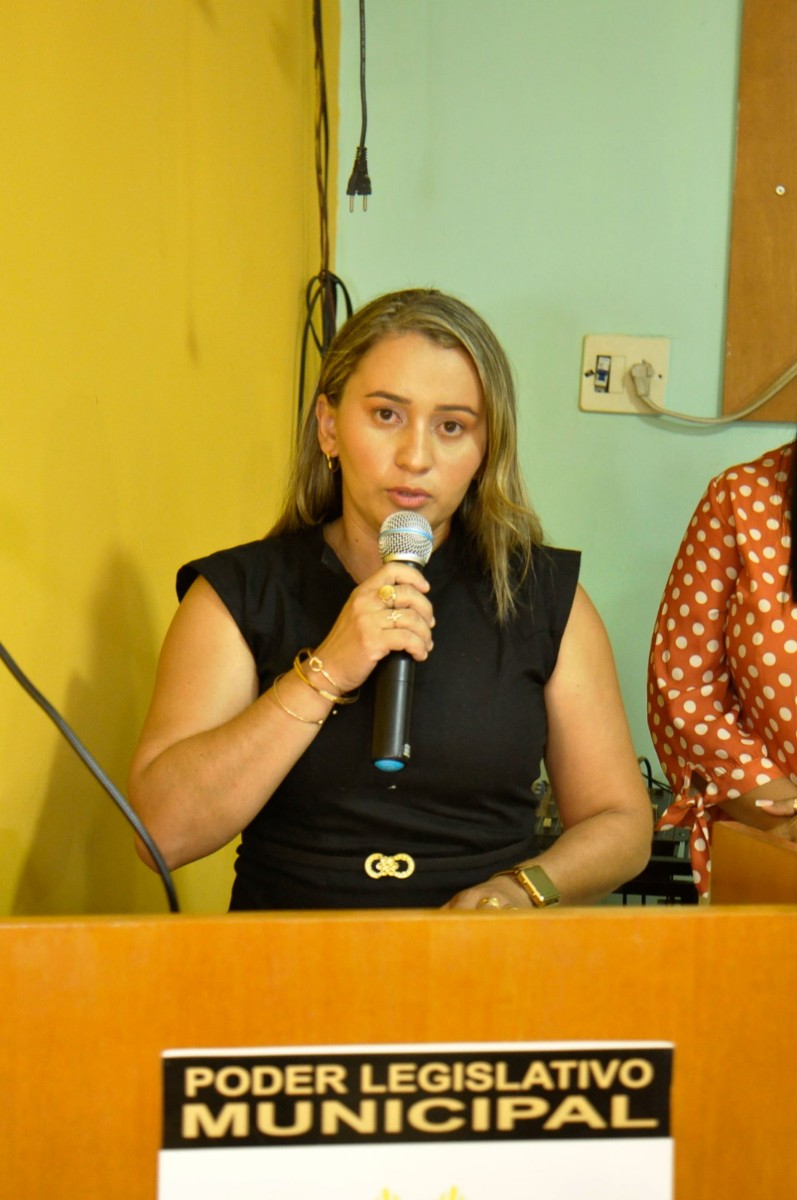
<point>545,594</point>
<point>769,470</point>
<point>542,566</point>
<point>250,564</point>
<point>556,558</point>
<point>554,571</point>
<point>758,485</point>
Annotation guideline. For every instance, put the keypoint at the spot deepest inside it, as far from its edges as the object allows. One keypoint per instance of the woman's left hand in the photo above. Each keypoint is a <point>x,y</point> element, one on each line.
<point>499,894</point>
<point>784,810</point>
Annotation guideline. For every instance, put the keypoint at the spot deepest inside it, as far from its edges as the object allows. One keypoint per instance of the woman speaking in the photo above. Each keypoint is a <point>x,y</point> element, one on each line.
<point>261,723</point>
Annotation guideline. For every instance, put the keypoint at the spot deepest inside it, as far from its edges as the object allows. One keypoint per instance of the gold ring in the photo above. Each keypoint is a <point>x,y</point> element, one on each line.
<point>394,615</point>
<point>387,594</point>
<point>794,806</point>
<point>489,902</point>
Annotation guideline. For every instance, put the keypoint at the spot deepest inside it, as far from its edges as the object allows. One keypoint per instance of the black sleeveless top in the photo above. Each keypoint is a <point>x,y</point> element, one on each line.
<point>463,807</point>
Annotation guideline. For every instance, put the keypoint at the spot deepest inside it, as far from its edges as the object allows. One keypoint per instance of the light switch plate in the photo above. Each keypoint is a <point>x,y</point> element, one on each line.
<point>617,393</point>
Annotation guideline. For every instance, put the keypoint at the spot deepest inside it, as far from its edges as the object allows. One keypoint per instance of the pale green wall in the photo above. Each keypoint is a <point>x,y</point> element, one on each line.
<point>567,169</point>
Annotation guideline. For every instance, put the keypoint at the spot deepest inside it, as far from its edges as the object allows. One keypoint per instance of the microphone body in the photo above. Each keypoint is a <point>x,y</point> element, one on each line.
<point>404,537</point>
<point>391,745</point>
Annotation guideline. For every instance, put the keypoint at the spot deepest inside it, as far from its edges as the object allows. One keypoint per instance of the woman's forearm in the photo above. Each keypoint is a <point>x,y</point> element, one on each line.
<point>197,794</point>
<point>745,810</point>
<point>589,860</point>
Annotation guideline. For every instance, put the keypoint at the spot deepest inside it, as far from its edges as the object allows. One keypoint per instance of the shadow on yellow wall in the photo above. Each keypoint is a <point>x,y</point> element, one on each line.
<point>80,858</point>
<point>158,226</point>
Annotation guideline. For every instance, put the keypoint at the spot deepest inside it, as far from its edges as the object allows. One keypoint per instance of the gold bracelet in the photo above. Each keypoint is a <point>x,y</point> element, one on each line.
<point>318,691</point>
<point>315,664</point>
<point>275,693</point>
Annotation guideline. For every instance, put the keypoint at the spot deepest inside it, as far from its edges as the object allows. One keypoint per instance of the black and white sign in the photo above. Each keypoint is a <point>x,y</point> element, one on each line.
<point>446,1122</point>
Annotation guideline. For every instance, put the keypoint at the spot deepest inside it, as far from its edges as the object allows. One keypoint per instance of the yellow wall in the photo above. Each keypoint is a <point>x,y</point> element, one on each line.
<point>158,226</point>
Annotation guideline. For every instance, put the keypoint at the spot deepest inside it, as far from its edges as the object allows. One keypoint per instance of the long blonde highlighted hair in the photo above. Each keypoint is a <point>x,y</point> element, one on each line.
<point>495,513</point>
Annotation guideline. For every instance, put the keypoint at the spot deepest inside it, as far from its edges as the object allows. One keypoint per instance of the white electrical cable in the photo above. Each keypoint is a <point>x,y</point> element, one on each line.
<point>763,399</point>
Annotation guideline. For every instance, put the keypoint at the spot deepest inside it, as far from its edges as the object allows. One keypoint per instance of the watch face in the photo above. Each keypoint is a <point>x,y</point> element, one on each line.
<point>539,886</point>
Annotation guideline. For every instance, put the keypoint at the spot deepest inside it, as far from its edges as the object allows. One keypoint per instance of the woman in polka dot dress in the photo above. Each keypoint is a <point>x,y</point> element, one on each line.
<point>722,679</point>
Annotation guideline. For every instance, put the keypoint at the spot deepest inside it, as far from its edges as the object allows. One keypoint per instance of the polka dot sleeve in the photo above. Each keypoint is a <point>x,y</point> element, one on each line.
<point>720,680</point>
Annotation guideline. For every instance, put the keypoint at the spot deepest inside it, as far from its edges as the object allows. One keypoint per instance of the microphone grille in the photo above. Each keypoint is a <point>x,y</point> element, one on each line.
<point>406,536</point>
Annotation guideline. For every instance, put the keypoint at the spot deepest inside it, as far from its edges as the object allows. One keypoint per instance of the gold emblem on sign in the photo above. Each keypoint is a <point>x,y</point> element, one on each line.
<point>389,866</point>
<point>452,1194</point>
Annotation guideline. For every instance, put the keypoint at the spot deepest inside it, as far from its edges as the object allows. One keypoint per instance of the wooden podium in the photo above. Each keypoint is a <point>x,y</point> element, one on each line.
<point>88,1005</point>
<point>751,867</point>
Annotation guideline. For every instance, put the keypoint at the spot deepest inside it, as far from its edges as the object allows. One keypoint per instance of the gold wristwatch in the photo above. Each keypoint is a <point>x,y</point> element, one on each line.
<point>536,884</point>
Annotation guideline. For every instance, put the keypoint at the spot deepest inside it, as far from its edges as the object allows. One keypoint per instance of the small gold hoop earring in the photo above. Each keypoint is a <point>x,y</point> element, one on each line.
<point>333,464</point>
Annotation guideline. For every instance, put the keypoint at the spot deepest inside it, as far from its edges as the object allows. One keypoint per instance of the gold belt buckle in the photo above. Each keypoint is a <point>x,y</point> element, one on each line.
<point>389,866</point>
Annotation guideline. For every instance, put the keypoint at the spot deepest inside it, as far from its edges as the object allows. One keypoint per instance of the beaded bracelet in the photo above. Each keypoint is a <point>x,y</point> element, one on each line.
<point>275,693</point>
<point>315,664</point>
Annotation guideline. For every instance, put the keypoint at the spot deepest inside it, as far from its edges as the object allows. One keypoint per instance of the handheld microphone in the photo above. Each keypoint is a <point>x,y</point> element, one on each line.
<point>404,537</point>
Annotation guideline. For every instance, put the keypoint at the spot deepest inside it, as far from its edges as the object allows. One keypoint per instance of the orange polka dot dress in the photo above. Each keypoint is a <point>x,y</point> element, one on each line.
<point>722,678</point>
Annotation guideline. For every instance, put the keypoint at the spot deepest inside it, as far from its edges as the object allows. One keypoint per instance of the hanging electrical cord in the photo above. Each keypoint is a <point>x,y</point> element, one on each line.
<point>759,402</point>
<point>321,294</point>
<point>359,181</point>
<point>98,773</point>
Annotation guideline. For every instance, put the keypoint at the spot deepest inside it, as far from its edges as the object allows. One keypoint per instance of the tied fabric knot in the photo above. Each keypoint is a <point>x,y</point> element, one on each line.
<point>692,812</point>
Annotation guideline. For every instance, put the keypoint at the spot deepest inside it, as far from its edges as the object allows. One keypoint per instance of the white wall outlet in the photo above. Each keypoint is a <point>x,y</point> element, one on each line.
<point>613,366</point>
